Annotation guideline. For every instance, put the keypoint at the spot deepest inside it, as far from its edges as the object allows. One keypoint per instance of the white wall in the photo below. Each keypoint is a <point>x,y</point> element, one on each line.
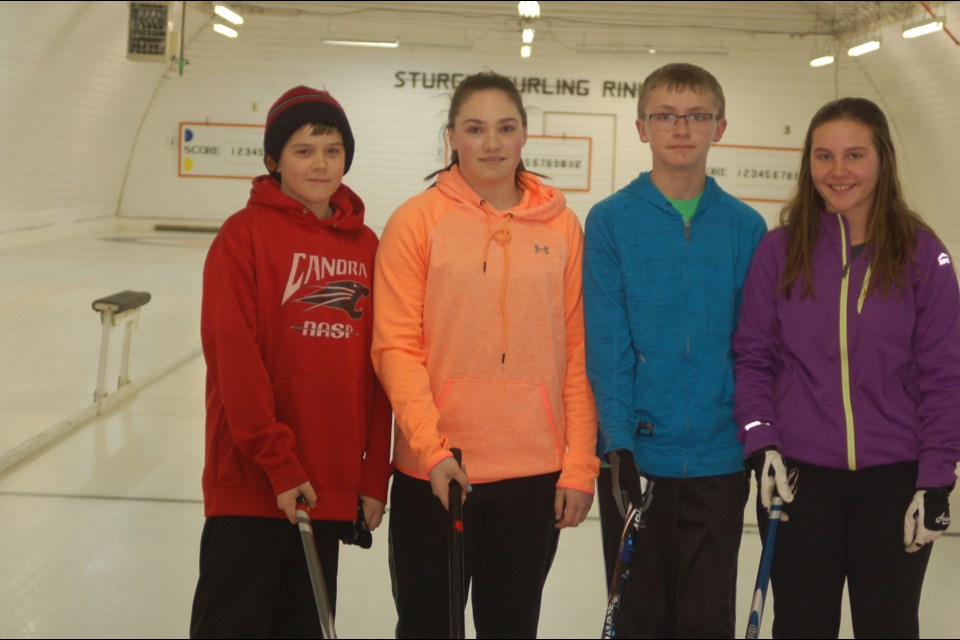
<point>398,129</point>
<point>919,80</point>
<point>70,105</point>
<point>71,108</point>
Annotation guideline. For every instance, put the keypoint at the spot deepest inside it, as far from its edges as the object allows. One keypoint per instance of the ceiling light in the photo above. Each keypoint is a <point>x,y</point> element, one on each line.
<point>224,30</point>
<point>866,47</point>
<point>528,9</point>
<point>822,61</point>
<point>527,36</point>
<point>923,28</point>
<point>227,13</point>
<point>386,44</point>
<point>650,50</point>
<point>525,51</point>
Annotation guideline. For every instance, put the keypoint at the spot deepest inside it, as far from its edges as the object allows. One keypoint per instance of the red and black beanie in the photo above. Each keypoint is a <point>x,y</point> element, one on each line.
<point>295,108</point>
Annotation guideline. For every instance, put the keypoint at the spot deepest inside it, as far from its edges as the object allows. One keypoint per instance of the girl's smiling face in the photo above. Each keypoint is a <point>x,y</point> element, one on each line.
<point>845,167</point>
<point>488,135</point>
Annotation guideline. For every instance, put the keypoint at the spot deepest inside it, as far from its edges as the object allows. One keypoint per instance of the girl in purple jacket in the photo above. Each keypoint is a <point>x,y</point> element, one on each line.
<point>848,369</point>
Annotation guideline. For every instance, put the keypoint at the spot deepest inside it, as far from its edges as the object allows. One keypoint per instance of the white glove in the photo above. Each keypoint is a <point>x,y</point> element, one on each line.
<point>928,516</point>
<point>771,471</point>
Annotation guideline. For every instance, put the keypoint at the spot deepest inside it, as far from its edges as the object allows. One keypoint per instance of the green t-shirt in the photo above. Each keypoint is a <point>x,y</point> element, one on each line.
<point>686,207</point>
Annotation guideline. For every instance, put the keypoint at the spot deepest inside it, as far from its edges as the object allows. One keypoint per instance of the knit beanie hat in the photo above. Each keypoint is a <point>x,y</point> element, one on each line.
<point>295,108</point>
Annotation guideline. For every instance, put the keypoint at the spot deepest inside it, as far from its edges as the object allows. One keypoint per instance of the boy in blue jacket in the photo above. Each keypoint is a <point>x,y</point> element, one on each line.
<point>664,262</point>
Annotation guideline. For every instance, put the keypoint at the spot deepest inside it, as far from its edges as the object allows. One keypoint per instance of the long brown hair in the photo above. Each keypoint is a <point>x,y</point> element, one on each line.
<point>891,226</point>
<point>484,81</point>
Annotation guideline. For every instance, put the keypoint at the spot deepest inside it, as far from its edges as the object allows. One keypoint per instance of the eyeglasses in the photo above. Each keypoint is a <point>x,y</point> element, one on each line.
<point>664,121</point>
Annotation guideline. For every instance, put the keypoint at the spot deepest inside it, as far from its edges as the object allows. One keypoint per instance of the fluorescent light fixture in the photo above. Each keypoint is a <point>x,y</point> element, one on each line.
<point>384,44</point>
<point>527,36</point>
<point>528,9</point>
<point>224,30</point>
<point>921,29</point>
<point>822,61</point>
<point>861,49</point>
<point>651,50</point>
<point>525,51</point>
<point>227,13</point>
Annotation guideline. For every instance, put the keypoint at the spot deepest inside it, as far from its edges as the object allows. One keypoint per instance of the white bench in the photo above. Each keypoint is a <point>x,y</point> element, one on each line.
<point>119,308</point>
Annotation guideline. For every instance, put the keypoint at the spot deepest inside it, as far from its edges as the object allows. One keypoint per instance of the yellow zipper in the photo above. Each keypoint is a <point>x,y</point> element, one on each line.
<point>863,292</point>
<point>844,355</point>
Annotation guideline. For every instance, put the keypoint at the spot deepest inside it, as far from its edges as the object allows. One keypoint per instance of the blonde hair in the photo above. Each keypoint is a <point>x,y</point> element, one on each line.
<point>679,76</point>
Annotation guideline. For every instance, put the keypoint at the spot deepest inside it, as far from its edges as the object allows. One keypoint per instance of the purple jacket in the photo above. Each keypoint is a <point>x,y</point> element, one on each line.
<point>845,381</point>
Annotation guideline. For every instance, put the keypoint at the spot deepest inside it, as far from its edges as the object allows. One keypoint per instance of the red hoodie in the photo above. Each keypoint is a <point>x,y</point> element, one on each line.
<point>286,326</point>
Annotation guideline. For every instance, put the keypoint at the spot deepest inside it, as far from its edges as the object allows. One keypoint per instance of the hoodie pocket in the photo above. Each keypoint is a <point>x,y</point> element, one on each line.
<point>505,429</point>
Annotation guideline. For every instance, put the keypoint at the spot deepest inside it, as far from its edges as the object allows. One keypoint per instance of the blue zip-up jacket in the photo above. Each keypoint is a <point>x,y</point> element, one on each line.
<point>661,300</point>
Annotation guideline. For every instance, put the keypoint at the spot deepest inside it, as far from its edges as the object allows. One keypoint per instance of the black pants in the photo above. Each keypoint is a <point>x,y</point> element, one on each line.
<point>510,540</point>
<point>254,581</point>
<point>684,569</point>
<point>847,526</point>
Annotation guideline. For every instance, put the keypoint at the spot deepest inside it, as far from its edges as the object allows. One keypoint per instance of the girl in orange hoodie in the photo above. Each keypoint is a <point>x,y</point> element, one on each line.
<point>478,340</point>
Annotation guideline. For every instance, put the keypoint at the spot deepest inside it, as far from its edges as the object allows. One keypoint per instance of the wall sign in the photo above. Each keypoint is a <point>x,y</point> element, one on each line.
<point>566,161</point>
<point>540,85</point>
<point>213,150</point>
<point>755,174</point>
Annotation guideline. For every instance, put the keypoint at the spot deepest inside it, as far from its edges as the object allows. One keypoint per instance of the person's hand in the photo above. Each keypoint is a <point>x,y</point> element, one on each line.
<point>630,486</point>
<point>372,511</point>
<point>287,501</point>
<point>928,516</point>
<point>771,472</point>
<point>571,507</point>
<point>441,475</point>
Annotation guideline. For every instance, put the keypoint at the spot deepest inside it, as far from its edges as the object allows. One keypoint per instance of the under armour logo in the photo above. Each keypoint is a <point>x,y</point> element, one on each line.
<point>538,248</point>
<point>943,259</point>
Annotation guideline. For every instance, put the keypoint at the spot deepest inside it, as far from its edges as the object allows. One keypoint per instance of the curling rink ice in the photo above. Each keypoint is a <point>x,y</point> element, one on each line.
<point>101,528</point>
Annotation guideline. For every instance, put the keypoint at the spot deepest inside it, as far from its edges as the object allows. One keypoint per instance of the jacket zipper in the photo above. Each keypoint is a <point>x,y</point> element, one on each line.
<point>863,291</point>
<point>686,415</point>
<point>844,354</point>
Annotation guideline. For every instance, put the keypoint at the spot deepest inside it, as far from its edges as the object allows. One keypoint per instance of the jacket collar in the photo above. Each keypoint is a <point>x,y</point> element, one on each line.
<point>644,188</point>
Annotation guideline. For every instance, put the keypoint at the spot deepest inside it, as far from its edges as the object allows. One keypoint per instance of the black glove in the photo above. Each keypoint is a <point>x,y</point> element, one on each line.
<point>928,516</point>
<point>630,487</point>
<point>357,532</point>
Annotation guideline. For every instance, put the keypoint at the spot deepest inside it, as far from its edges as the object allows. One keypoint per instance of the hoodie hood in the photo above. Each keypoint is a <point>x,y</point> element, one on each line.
<point>643,187</point>
<point>540,202</point>
<point>347,206</point>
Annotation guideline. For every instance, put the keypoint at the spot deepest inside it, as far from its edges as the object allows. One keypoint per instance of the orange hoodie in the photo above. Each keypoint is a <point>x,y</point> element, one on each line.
<point>478,335</point>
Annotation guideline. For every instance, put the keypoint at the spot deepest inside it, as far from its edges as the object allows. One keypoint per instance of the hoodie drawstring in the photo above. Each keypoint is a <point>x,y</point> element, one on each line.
<point>502,236</point>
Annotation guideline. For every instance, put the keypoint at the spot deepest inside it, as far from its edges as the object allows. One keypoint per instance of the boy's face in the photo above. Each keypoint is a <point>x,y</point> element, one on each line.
<point>311,168</point>
<point>679,144</point>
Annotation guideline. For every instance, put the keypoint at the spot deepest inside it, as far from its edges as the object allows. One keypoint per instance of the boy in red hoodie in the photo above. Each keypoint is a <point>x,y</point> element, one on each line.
<point>294,408</point>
